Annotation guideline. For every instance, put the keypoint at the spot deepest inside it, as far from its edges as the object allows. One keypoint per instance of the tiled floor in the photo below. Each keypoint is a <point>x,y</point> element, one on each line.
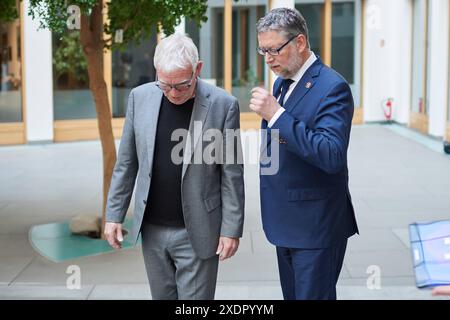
<point>396,177</point>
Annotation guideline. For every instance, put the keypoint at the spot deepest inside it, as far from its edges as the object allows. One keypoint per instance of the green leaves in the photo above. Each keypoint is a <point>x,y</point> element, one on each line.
<point>68,58</point>
<point>136,18</point>
<point>8,10</point>
<point>53,15</point>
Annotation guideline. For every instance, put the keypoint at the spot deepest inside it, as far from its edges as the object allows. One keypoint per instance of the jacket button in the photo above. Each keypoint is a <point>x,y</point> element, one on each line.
<point>144,201</point>
<point>150,175</point>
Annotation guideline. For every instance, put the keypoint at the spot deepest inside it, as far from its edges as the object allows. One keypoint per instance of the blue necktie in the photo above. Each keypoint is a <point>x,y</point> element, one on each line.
<point>284,87</point>
<point>285,84</point>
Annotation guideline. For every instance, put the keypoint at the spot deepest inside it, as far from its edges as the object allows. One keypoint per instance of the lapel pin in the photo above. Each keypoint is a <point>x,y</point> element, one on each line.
<point>308,85</point>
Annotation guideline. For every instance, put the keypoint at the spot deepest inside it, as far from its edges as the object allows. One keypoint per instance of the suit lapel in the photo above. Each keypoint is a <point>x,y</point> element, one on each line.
<point>153,105</point>
<point>197,123</point>
<point>265,136</point>
<point>300,90</point>
<point>303,86</point>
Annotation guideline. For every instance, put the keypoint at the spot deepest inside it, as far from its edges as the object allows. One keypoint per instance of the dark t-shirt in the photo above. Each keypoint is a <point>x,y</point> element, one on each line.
<point>164,205</point>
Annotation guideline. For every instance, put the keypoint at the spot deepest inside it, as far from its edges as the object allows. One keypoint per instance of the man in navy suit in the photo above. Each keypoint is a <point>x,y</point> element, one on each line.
<point>306,206</point>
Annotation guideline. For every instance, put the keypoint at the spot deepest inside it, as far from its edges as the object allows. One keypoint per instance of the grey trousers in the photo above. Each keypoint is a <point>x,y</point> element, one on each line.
<point>173,269</point>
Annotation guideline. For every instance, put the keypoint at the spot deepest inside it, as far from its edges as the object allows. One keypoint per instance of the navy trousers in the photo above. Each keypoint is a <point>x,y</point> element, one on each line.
<point>310,274</point>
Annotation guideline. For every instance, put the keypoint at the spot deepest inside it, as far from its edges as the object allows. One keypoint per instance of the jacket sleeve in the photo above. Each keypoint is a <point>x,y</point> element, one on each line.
<point>125,170</point>
<point>325,144</point>
<point>232,182</point>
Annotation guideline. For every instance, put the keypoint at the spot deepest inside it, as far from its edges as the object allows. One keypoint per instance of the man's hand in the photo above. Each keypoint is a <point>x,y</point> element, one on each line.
<point>227,247</point>
<point>113,233</point>
<point>441,291</point>
<point>263,103</point>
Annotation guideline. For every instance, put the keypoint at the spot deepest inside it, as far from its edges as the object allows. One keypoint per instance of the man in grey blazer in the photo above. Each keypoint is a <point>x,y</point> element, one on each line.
<point>189,211</point>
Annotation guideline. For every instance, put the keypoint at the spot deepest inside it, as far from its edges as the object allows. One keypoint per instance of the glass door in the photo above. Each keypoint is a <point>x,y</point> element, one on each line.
<point>447,135</point>
<point>209,40</point>
<point>248,66</point>
<point>12,128</point>
<point>345,39</point>
<point>131,67</point>
<point>419,105</point>
<point>313,12</point>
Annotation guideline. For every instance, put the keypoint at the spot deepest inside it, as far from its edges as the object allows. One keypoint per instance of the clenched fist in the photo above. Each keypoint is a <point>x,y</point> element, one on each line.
<point>113,233</point>
<point>263,103</point>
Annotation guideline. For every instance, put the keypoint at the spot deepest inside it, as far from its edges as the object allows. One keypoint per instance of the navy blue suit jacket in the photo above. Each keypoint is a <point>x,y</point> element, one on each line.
<point>307,203</point>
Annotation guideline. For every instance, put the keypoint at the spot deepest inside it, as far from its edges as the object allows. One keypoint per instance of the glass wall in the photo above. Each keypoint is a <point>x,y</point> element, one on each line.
<point>131,68</point>
<point>134,66</point>
<point>72,98</point>
<point>248,65</point>
<point>448,79</point>
<point>448,91</point>
<point>343,40</point>
<point>346,44</point>
<point>193,31</point>
<point>209,41</point>
<point>345,37</point>
<point>313,14</point>
<point>419,56</point>
<point>10,73</point>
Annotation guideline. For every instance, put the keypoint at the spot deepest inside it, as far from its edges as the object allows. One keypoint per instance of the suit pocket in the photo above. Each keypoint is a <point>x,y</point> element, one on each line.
<point>212,203</point>
<point>307,194</point>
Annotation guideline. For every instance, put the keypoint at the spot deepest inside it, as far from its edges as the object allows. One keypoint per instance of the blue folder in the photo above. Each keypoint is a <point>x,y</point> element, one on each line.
<point>430,248</point>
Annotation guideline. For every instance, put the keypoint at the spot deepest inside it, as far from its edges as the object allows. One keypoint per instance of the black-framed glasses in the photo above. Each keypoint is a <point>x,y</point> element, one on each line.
<point>276,51</point>
<point>182,86</point>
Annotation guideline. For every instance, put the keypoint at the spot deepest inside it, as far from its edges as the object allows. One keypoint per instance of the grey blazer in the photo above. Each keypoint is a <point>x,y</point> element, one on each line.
<point>212,194</point>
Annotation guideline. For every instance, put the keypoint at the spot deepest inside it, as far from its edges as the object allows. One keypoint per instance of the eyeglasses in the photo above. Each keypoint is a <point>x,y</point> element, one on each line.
<point>274,52</point>
<point>182,86</point>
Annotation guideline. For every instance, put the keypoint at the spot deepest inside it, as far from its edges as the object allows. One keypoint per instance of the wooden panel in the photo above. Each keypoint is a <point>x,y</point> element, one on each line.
<point>73,130</point>
<point>107,74</point>
<point>117,125</point>
<point>447,136</point>
<point>419,121</point>
<point>22,61</point>
<point>12,133</point>
<point>243,15</point>
<point>358,116</point>
<point>78,130</point>
<point>271,78</point>
<point>228,52</point>
<point>259,58</point>
<point>107,60</point>
<point>250,120</point>
<point>326,36</point>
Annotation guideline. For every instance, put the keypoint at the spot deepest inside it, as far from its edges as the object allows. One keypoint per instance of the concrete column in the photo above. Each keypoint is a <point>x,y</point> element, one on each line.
<point>387,58</point>
<point>180,28</point>
<point>282,3</point>
<point>438,66</point>
<point>38,80</point>
<point>206,51</point>
<point>272,5</point>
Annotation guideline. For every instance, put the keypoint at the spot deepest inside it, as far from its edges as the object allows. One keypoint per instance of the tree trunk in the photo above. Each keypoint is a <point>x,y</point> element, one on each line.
<point>91,37</point>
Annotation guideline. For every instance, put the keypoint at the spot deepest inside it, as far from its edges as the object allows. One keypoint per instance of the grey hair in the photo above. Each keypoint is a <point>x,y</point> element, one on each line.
<point>289,22</point>
<point>175,52</point>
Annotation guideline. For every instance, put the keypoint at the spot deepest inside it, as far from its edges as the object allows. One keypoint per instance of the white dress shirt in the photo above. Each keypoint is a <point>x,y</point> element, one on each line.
<point>296,79</point>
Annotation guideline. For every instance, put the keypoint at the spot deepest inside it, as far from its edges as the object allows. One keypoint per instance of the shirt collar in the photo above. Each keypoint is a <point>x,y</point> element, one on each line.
<point>308,63</point>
